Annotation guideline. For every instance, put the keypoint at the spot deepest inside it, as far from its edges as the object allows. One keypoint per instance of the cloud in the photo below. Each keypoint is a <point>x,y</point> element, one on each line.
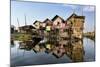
<point>89,8</point>
<point>71,6</point>
<point>84,8</point>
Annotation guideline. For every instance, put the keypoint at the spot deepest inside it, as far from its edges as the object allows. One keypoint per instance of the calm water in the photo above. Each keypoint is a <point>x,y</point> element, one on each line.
<point>60,52</point>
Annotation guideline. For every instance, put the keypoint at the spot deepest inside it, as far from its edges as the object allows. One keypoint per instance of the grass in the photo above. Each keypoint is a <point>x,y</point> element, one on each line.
<point>21,36</point>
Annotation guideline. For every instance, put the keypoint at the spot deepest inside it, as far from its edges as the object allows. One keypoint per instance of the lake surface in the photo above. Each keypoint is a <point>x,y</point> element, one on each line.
<point>65,51</point>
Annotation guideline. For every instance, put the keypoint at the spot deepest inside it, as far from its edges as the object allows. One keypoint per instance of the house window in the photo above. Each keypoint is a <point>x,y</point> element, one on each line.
<point>58,23</point>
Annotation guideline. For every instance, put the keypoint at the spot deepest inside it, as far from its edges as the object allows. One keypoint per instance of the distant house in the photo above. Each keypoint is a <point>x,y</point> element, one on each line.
<point>12,28</point>
<point>71,27</point>
<point>58,21</point>
<point>37,24</point>
<point>48,24</point>
<point>43,24</point>
<point>61,25</point>
<point>26,29</point>
<point>76,24</point>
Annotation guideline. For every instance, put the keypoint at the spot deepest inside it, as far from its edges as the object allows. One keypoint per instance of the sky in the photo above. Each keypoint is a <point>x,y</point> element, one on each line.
<point>40,11</point>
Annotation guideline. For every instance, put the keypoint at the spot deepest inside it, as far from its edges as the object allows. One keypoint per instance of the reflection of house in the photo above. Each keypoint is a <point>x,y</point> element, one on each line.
<point>73,49</point>
<point>78,51</point>
<point>58,51</point>
<point>76,24</point>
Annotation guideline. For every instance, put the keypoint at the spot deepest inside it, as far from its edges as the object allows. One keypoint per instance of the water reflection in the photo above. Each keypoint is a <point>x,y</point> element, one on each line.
<point>73,49</point>
<point>52,52</point>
